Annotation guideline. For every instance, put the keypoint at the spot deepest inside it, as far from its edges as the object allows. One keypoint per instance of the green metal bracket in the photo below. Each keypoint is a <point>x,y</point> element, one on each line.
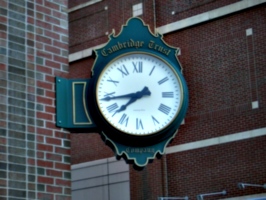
<point>72,104</point>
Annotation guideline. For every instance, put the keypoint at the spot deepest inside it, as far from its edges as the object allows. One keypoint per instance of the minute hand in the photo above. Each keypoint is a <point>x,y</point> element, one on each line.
<point>119,97</point>
<point>145,91</point>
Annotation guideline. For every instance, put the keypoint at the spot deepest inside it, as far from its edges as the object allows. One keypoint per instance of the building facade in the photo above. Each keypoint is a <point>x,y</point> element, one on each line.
<point>34,153</point>
<point>219,151</point>
<point>222,140</point>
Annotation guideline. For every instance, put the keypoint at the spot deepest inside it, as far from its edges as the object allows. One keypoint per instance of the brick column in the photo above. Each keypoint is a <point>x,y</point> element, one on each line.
<point>34,154</point>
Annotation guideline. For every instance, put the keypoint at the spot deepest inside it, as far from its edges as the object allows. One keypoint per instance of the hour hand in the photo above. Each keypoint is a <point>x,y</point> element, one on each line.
<point>138,95</point>
<point>123,107</point>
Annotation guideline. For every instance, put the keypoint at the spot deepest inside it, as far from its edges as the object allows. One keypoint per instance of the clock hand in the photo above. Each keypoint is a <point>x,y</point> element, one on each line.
<point>134,98</point>
<point>117,97</point>
<point>123,107</point>
<point>145,91</point>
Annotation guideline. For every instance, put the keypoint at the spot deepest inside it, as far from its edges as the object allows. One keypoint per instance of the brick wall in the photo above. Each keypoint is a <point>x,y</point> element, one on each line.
<point>91,25</point>
<point>225,72</point>
<point>169,11</point>
<point>224,64</point>
<point>34,154</point>
<point>218,168</point>
<point>148,183</point>
<point>88,147</point>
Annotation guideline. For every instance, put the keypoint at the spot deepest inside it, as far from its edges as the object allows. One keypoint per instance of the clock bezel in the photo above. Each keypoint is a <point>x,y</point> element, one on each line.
<point>134,139</point>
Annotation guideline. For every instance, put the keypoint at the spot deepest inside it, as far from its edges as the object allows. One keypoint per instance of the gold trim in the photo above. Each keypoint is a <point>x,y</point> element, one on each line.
<point>84,104</point>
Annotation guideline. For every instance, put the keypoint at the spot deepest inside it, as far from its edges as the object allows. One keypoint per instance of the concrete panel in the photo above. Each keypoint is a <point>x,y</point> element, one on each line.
<point>121,177</point>
<point>120,191</point>
<point>88,183</point>
<point>89,172</point>
<point>99,193</point>
<point>117,166</point>
<point>105,179</point>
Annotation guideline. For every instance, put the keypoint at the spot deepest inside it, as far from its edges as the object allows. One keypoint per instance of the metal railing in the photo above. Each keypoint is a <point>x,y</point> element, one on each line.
<point>172,198</point>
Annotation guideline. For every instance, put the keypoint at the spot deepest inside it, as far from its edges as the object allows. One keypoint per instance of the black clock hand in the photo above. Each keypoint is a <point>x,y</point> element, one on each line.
<point>130,95</point>
<point>123,107</point>
<point>117,97</point>
<point>134,98</point>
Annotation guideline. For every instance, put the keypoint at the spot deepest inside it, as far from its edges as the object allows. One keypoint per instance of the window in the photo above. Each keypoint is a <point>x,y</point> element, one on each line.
<point>137,9</point>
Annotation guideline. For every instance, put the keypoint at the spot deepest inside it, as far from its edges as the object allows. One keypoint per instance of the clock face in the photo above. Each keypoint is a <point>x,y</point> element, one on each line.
<point>139,94</point>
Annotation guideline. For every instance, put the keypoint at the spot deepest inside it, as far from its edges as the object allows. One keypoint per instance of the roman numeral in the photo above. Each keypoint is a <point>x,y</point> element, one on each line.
<point>163,80</point>
<point>152,70</point>
<point>139,124</point>
<point>155,121</point>
<point>112,107</point>
<point>109,94</point>
<point>137,67</point>
<point>123,70</point>
<point>164,109</point>
<point>167,94</point>
<point>123,119</point>
<point>114,82</point>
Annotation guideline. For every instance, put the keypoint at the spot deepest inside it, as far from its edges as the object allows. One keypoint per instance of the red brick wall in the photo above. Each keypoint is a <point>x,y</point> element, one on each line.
<point>218,168</point>
<point>148,183</point>
<point>76,3</point>
<point>34,154</point>
<point>185,8</point>
<point>88,147</point>
<point>81,69</point>
<point>88,26</point>
<point>225,72</point>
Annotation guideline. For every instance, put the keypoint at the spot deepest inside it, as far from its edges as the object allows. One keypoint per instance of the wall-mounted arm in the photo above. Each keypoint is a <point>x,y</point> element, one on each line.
<point>244,185</point>
<point>201,196</point>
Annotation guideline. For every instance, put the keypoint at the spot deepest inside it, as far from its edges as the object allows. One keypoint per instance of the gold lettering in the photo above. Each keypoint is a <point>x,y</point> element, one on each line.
<point>159,48</point>
<point>115,48</point>
<point>104,52</point>
<point>150,45</point>
<point>118,46</point>
<point>109,50</point>
<point>167,52</point>
<point>138,44</point>
<point>130,43</point>
<point>140,150</point>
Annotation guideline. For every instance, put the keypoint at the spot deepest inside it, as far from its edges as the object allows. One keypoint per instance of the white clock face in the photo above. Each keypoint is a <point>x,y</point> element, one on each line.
<point>139,94</point>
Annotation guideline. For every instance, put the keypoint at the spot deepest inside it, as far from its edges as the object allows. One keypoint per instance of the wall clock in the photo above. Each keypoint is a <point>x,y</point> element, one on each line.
<point>138,96</point>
